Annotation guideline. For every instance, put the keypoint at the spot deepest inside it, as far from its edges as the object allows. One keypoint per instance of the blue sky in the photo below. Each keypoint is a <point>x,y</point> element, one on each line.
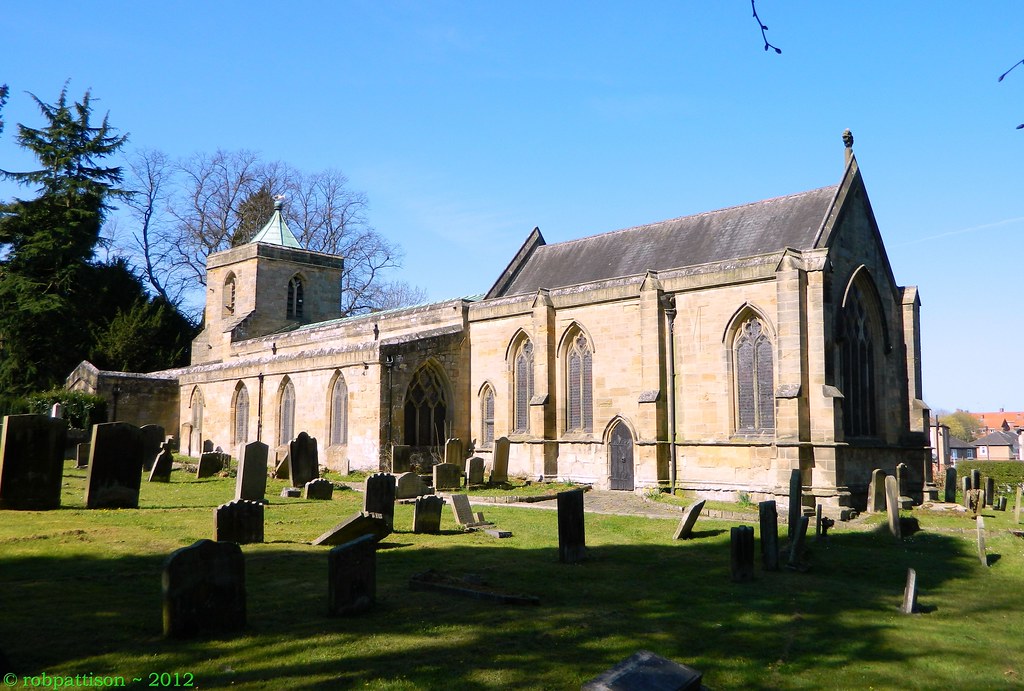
<point>469,123</point>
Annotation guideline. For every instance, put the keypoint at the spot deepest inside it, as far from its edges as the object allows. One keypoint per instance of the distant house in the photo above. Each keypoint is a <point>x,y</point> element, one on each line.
<point>1000,421</point>
<point>960,450</point>
<point>998,446</point>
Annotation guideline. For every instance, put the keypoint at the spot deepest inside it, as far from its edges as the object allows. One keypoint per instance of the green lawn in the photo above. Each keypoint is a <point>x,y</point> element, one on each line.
<point>80,594</point>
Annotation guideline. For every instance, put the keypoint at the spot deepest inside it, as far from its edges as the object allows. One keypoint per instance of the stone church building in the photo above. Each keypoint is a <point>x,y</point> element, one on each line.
<point>719,351</point>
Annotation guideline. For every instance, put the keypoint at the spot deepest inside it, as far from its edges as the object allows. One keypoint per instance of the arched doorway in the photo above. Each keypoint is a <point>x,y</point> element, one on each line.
<point>620,457</point>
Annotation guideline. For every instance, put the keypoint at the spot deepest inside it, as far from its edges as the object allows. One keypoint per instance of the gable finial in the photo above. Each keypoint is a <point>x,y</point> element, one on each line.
<point>848,143</point>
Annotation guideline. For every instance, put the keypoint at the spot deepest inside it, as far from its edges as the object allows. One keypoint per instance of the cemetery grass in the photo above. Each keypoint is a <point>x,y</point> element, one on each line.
<point>80,592</point>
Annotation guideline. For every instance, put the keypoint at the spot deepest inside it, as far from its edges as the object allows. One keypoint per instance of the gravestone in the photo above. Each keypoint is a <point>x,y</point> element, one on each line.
<point>476,471</point>
<point>380,496</point>
<point>976,478</point>
<point>203,589</point>
<point>401,459</point>
<point>966,483</point>
<point>796,545</point>
<point>115,467</point>
<point>352,577</point>
<point>817,522</point>
<point>903,485</point>
<point>975,502</point>
<point>1016,506</point>
<point>950,492</point>
<point>303,464</point>
<point>499,468</point>
<point>1000,504</point>
<point>208,446</point>
<point>453,453</point>
<point>892,504</point>
<point>162,465</point>
<point>409,486</point>
<point>572,547</point>
<point>238,521</point>
<point>57,411</point>
<point>462,511</point>
<point>32,462</point>
<point>981,540</point>
<point>82,455</point>
<point>320,488</point>
<point>769,519</point>
<point>876,491</point>
<point>281,468</point>
<point>447,477</point>
<point>153,437</point>
<point>357,526</point>
<point>741,553</point>
<point>645,671</point>
<point>910,593</point>
<point>690,515</point>
<point>796,508</point>
<point>426,514</point>
<point>251,481</point>
<point>210,463</point>
<point>990,490</point>
<point>291,492</point>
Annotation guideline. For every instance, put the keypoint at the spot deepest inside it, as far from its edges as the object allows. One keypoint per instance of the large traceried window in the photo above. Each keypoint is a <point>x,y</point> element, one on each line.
<point>426,408</point>
<point>487,416</point>
<point>339,411</point>
<point>295,298</point>
<point>286,413</point>
<point>522,381</point>
<point>240,412</point>
<point>857,366</point>
<point>753,362</point>
<point>579,368</point>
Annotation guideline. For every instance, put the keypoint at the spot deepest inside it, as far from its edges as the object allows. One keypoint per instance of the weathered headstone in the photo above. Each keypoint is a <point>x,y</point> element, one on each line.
<point>355,527</point>
<point>876,491</point>
<point>462,511</point>
<point>291,492</point>
<point>401,459</point>
<point>796,501</point>
<point>741,553</point>
<point>57,411</point>
<point>352,577</point>
<point>981,541</point>
<point>690,515</point>
<point>966,484</point>
<point>990,490</point>
<point>409,486</point>
<point>82,455</point>
<point>208,446</point>
<point>769,519</point>
<point>975,502</point>
<point>796,544</point>
<point>447,477</point>
<point>572,544</point>
<point>453,453</point>
<point>153,438</point>
<point>380,496</point>
<point>303,464</point>
<point>251,481</point>
<point>892,504</point>
<point>32,462</point>
<point>499,467</point>
<point>475,476</point>
<point>426,514</point>
<point>903,485</point>
<point>281,468</point>
<point>320,488</point>
<point>950,485</point>
<point>162,465</point>
<point>203,589</point>
<point>115,467</point>
<point>648,672</point>
<point>238,521</point>
<point>1000,504</point>
<point>976,478</point>
<point>817,522</point>
<point>910,593</point>
<point>210,463</point>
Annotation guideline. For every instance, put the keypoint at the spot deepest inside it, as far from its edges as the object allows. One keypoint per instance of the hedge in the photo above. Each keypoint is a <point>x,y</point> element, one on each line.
<point>1007,474</point>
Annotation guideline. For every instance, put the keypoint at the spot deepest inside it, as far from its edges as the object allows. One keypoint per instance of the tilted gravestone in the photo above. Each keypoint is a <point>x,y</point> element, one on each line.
<point>475,476</point>
<point>982,554</point>
<point>238,521</point>
<point>741,553</point>
<point>211,463</point>
<point>320,488</point>
<point>950,486</point>
<point>32,462</point>
<point>892,504</point>
<point>990,490</point>
<point>401,459</point>
<point>499,468</point>
<point>426,514</point>
<point>876,491</point>
<point>380,496</point>
<point>975,502</point>
<point>462,511</point>
<point>162,465</point>
<point>799,539</point>
<point>690,515</point>
<point>82,455</point>
<point>796,500</point>
<point>965,483</point>
<point>251,481</point>
<point>572,544</point>
<point>409,486</point>
<point>649,672</point>
<point>447,477</point>
<point>769,519</point>
<point>355,527</point>
<point>453,453</point>
<point>910,593</point>
<point>115,467</point>
<point>153,437</point>
<point>352,577</point>
<point>203,589</point>
<point>303,464</point>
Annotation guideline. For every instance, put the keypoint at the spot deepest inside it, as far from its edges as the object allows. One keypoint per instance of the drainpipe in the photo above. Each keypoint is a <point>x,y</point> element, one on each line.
<point>389,363</point>
<point>259,411</point>
<point>670,314</point>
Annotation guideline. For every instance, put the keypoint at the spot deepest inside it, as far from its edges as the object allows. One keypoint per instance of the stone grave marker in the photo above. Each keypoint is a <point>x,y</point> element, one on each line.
<point>892,504</point>
<point>153,438</point>
<point>572,547</point>
<point>115,467</point>
<point>281,466</point>
<point>966,483</point>
<point>401,459</point>
<point>251,481</point>
<point>910,593</point>
<point>380,496</point>
<point>475,475</point>
<point>950,491</point>
<point>741,553</point>
<point>690,515</point>
<point>981,540</point>
<point>238,521</point>
<point>645,671</point>
<point>357,526</point>
<point>57,411</point>
<point>769,519</point>
<point>876,491</point>
<point>210,463</point>
<point>796,545</point>
<point>975,502</point>
<point>409,486</point>
<point>447,477</point>
<point>291,492</point>
<point>462,511</point>
<point>352,577</point>
<point>32,462</point>
<point>208,446</point>
<point>499,467</point>
<point>426,514</point>
<point>453,453</point>
<point>203,588</point>
<point>990,490</point>
<point>817,522</point>
<point>903,485</point>
<point>303,464</point>
<point>1016,506</point>
<point>796,508</point>
<point>976,478</point>
<point>1000,504</point>
<point>162,465</point>
<point>82,455</point>
<point>320,488</point>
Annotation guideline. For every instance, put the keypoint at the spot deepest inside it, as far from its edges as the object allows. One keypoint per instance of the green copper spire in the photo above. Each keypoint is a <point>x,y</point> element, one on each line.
<point>276,231</point>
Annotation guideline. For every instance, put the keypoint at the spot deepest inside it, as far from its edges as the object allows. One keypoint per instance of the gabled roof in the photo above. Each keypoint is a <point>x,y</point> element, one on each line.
<point>276,231</point>
<point>997,439</point>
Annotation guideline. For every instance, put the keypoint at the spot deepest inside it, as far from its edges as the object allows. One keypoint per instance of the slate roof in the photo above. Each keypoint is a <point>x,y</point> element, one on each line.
<point>276,231</point>
<point>997,439</point>
<point>754,229</point>
<point>957,443</point>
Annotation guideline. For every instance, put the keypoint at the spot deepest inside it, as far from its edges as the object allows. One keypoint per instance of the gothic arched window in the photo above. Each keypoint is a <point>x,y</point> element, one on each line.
<point>295,298</point>
<point>339,411</point>
<point>196,404</point>
<point>240,412</point>
<point>426,408</point>
<point>286,413</point>
<point>229,295</point>
<point>857,363</point>
<point>522,382</point>
<point>753,363</point>
<point>487,416</point>
<point>579,370</point>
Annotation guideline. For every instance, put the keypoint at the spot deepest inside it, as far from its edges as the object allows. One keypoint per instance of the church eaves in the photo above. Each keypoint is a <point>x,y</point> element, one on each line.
<point>276,231</point>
